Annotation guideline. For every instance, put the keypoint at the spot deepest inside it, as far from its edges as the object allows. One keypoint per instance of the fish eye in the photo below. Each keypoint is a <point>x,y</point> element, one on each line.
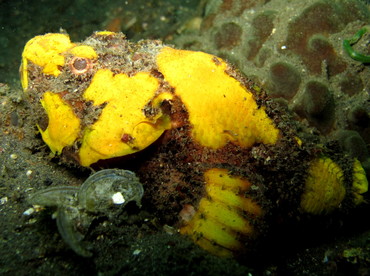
<point>80,65</point>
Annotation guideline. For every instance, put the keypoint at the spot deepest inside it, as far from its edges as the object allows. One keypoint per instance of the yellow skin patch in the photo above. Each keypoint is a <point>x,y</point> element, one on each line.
<point>219,223</point>
<point>324,188</point>
<point>83,52</point>
<point>208,97</point>
<point>122,115</point>
<point>64,126</point>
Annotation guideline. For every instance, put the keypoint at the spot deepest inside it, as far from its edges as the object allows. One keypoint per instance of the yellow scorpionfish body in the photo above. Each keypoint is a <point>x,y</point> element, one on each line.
<point>215,155</point>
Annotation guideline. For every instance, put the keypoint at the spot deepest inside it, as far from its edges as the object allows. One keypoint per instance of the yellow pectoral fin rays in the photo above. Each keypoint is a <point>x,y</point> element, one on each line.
<point>360,184</point>
<point>222,219</point>
<point>225,217</point>
<point>325,189</point>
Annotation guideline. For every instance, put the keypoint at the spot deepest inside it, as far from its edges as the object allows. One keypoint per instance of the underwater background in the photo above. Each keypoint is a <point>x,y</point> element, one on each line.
<point>292,49</point>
